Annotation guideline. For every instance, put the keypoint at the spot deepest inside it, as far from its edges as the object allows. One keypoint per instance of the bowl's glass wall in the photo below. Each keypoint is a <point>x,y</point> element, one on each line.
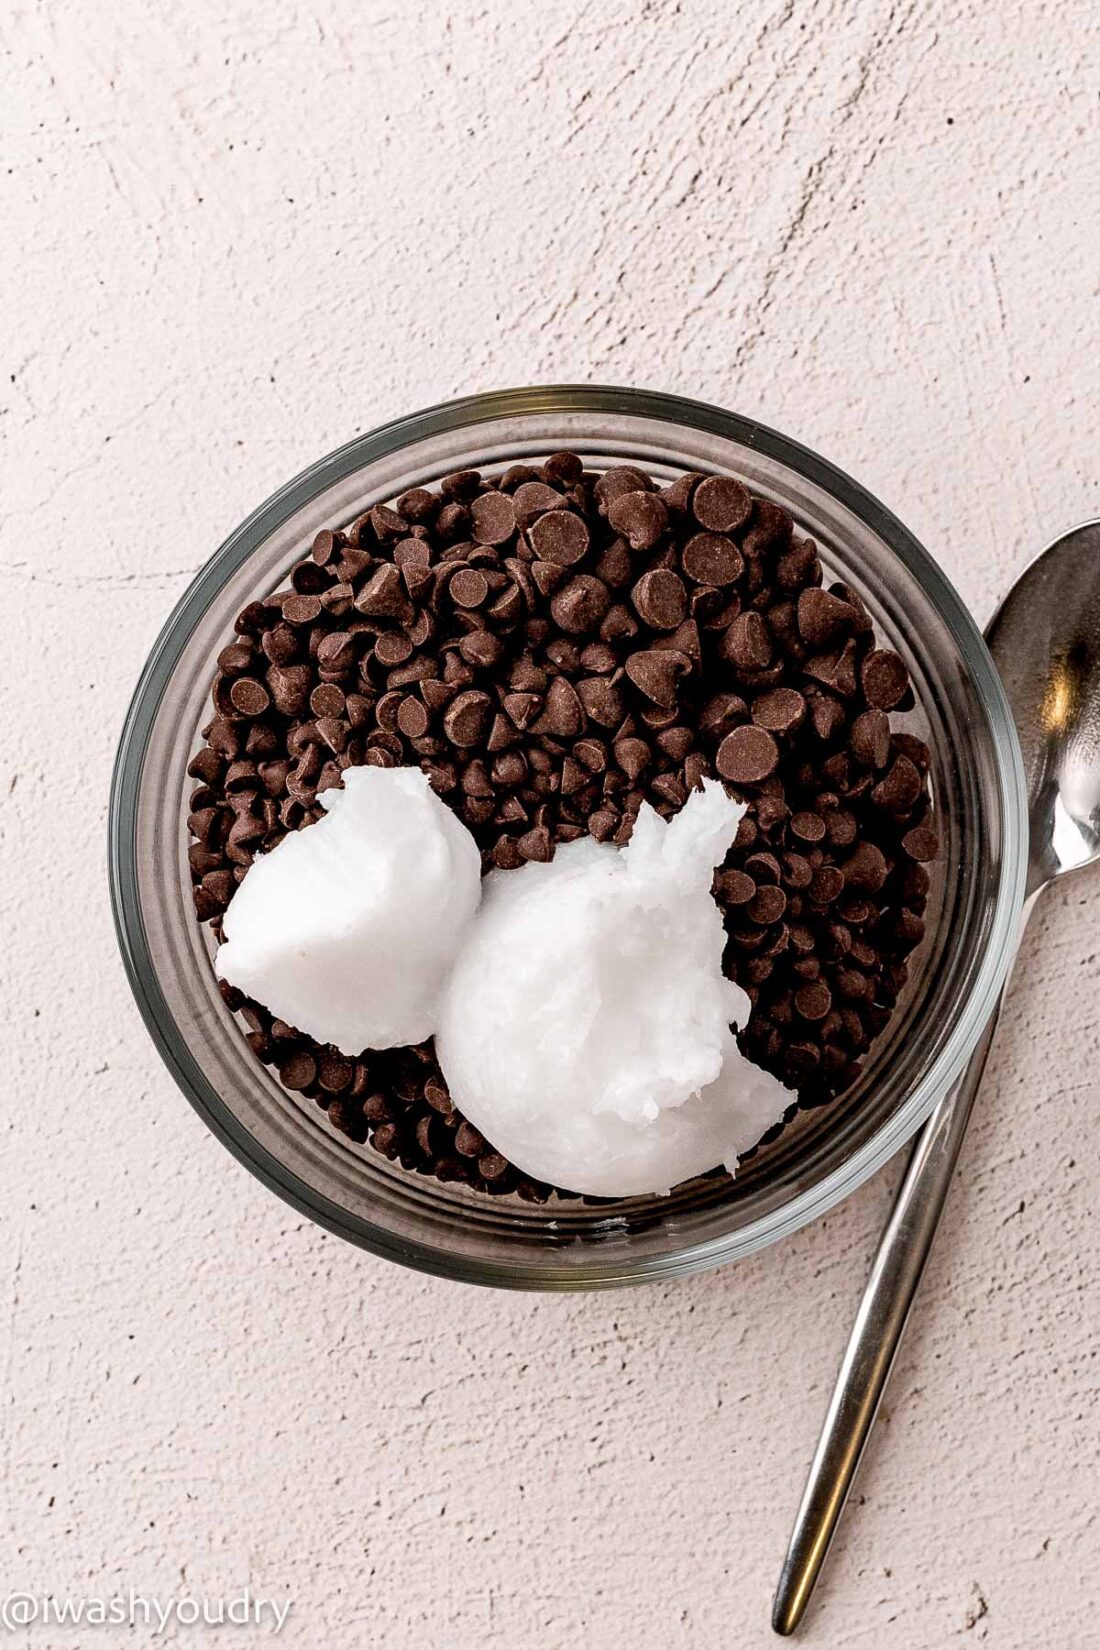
<point>977,883</point>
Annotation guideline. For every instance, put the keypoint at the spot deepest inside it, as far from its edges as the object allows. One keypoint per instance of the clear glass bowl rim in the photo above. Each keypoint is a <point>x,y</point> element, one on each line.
<point>335,467</point>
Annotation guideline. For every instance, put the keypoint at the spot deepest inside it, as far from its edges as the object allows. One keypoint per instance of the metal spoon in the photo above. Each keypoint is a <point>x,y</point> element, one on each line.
<point>1045,641</point>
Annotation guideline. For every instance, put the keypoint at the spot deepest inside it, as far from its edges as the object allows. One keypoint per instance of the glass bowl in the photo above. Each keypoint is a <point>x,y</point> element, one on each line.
<point>824,1154</point>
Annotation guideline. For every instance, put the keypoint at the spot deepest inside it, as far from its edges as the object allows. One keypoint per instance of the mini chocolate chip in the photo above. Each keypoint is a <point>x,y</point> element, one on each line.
<point>536,845</point>
<point>921,843</point>
<point>336,652</point>
<point>641,518</point>
<point>721,504</point>
<point>808,827</point>
<point>412,718</point>
<point>747,755</point>
<point>660,599</point>
<point>249,697</point>
<point>559,536</point>
<point>813,1001</point>
<point>656,673</point>
<point>767,905</point>
<point>746,643</point>
<point>298,1072</point>
<point>721,712</point>
<point>822,616</point>
<point>563,715</point>
<point>466,720</point>
<point>711,560</point>
<point>780,711</point>
<point>899,787</point>
<point>826,885</point>
<point>301,610</point>
<point>384,595</point>
<point>885,679</point>
<point>469,587</point>
<point>866,868</point>
<point>616,483</point>
<point>870,738</point>
<point>532,499</point>
<point>734,887</point>
<point>492,518</point>
<point>580,605</point>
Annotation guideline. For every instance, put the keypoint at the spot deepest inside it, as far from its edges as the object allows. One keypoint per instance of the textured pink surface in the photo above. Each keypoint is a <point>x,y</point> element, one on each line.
<point>235,236</point>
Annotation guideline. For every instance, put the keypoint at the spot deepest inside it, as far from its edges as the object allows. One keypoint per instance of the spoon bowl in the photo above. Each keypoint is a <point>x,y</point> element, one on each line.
<point>1045,641</point>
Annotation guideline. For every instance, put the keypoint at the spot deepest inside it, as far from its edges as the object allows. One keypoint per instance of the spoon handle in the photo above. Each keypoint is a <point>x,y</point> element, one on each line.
<point>876,1336</point>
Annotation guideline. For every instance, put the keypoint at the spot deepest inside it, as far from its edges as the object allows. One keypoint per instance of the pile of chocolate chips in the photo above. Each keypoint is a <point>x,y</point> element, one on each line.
<point>553,648</point>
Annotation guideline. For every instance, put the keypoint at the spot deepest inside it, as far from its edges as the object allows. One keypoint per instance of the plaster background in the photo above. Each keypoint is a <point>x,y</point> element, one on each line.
<point>236,235</point>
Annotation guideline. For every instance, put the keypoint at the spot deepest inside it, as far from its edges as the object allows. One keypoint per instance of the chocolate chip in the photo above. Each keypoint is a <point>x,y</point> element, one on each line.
<point>534,498</point>
<point>747,755</point>
<point>301,610</point>
<point>469,587</point>
<point>563,716</point>
<point>899,787</point>
<point>767,905</point>
<point>656,673</point>
<point>492,518</point>
<point>808,827</point>
<point>711,560</point>
<point>579,605</point>
<point>298,1072</point>
<point>747,644</point>
<point>734,887</point>
<point>870,738</point>
<point>559,536</point>
<point>660,599</point>
<point>813,1001</point>
<point>466,720</point>
<point>641,518</point>
<point>826,885</point>
<point>290,687</point>
<point>780,710</point>
<point>412,718</point>
<point>617,483</point>
<point>885,679</point>
<point>866,868</point>
<point>721,504</point>
<point>384,595</point>
<point>821,617</point>
<point>921,843</point>
<point>336,652</point>
<point>249,697</point>
<point>535,845</point>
